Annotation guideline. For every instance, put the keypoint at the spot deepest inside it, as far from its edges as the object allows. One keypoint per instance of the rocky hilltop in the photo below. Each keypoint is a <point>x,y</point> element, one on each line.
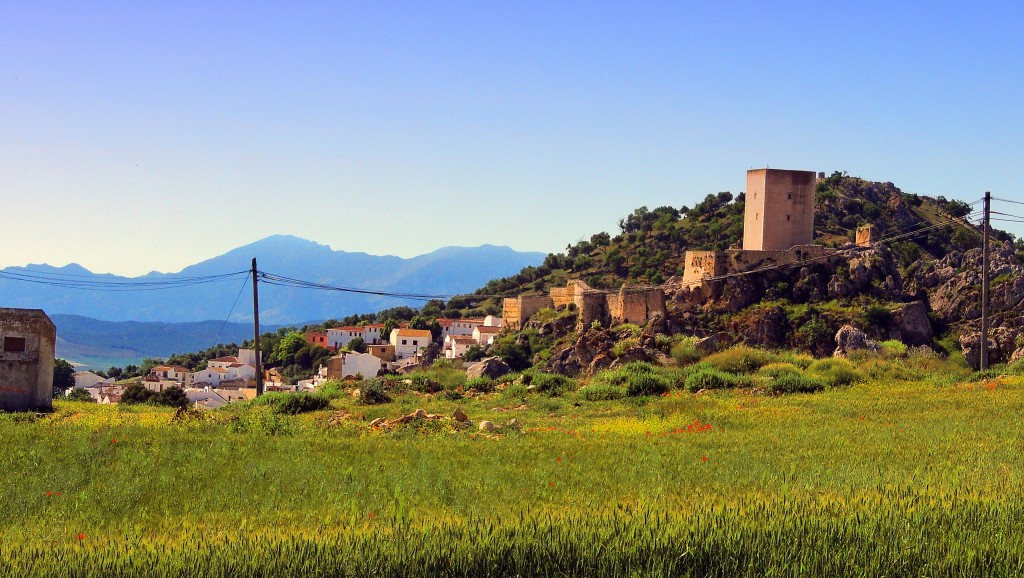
<point>919,282</point>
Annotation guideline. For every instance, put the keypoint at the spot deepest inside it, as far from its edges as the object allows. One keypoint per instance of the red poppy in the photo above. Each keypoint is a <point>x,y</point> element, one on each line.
<point>58,493</point>
<point>48,494</point>
<point>113,441</point>
<point>558,459</point>
<point>552,484</point>
<point>81,536</point>
<point>704,459</point>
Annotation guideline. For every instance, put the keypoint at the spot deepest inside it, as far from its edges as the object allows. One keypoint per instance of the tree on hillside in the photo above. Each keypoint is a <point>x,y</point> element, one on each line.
<point>135,393</point>
<point>357,345</point>
<point>79,395</point>
<point>63,377</point>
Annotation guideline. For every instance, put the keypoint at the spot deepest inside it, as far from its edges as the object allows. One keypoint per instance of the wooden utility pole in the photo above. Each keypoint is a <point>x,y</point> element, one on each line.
<point>984,284</point>
<point>256,328</point>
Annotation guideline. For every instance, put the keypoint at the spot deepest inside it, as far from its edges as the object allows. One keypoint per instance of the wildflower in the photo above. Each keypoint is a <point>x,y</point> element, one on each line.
<point>704,459</point>
<point>58,494</point>
<point>81,536</point>
<point>552,484</point>
<point>558,459</point>
<point>48,494</point>
<point>113,441</point>
<point>372,515</point>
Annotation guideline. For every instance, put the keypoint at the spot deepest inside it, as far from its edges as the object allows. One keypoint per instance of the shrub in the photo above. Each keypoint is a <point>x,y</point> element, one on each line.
<point>481,384</point>
<point>515,391</point>
<point>372,393</point>
<point>330,389</point>
<point>135,393</point>
<point>787,382</point>
<point>173,396</point>
<point>302,402</point>
<point>553,384</point>
<point>603,392</point>
<point>646,384</point>
<point>741,359</point>
<point>775,370</point>
<point>835,372</point>
<point>710,378</point>
<point>423,384</point>
<point>684,351</point>
<point>623,345</point>
<point>894,348</point>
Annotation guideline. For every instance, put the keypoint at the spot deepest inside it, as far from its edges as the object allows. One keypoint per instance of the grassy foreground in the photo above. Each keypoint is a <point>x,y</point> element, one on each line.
<point>886,477</point>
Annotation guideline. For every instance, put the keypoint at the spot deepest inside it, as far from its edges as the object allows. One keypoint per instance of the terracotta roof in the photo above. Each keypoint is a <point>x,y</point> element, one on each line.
<point>229,359</point>
<point>351,328</point>
<point>403,332</point>
<point>374,326</point>
<point>488,329</point>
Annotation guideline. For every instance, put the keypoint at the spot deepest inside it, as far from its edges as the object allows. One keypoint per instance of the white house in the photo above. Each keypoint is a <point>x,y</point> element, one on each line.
<point>85,379</point>
<point>456,345</point>
<point>172,372</point>
<point>485,335</point>
<point>492,321</point>
<point>339,337</point>
<point>205,398</point>
<point>458,326</point>
<point>346,364</point>
<point>371,333</point>
<point>410,342</point>
<point>211,376</point>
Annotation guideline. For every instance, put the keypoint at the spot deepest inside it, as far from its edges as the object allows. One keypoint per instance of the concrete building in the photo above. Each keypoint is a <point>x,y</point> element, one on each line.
<point>347,364</point>
<point>27,341</point>
<point>410,342</point>
<point>779,209</point>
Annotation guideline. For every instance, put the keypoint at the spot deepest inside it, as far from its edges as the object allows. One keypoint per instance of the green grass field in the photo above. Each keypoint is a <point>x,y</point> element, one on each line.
<point>907,473</point>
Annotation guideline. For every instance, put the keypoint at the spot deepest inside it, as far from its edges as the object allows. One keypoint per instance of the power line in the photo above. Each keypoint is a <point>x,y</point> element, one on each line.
<point>114,285</point>
<point>232,310</point>
<point>1007,201</point>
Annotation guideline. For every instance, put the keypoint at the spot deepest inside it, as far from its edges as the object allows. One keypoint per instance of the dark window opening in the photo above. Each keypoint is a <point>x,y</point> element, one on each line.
<point>14,344</point>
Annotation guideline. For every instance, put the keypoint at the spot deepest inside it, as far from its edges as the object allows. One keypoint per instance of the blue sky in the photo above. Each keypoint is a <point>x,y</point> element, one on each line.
<point>138,136</point>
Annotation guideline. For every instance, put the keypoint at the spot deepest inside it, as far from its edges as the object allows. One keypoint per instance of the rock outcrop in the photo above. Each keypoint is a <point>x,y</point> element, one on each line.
<point>850,339</point>
<point>492,367</point>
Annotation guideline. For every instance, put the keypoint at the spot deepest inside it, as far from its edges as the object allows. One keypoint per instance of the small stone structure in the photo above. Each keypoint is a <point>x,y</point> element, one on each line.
<point>627,305</point>
<point>27,341</point>
<point>866,235</point>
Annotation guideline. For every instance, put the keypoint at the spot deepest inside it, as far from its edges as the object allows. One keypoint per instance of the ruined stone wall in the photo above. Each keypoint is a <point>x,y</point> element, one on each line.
<point>561,296</point>
<point>636,305</point>
<point>516,310</point>
<point>27,340</point>
<point>701,264</point>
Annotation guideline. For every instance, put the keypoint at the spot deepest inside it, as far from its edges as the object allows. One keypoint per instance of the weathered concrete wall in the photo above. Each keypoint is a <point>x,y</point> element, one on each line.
<point>779,209</point>
<point>516,310</point>
<point>27,338</point>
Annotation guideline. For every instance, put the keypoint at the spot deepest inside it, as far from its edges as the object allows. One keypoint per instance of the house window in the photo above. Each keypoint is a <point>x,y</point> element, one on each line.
<point>787,217</point>
<point>404,342</point>
<point>789,196</point>
<point>415,342</point>
<point>14,344</point>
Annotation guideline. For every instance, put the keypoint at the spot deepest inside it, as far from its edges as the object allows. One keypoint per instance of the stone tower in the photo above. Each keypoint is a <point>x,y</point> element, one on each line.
<point>779,209</point>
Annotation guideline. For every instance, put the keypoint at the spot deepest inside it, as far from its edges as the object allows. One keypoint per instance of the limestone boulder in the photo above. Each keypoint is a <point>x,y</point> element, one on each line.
<point>460,416</point>
<point>914,325</point>
<point>486,426</point>
<point>492,367</point>
<point>765,328</point>
<point>576,359</point>
<point>631,355</point>
<point>1002,345</point>
<point>1017,355</point>
<point>850,339</point>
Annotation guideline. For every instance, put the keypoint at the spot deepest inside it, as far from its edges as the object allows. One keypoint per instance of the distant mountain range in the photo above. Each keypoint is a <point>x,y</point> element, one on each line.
<point>101,328</point>
<point>95,344</point>
<point>450,270</point>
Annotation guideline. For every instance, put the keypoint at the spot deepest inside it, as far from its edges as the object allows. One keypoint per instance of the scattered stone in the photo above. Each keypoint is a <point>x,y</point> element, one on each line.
<point>849,339</point>
<point>338,418</point>
<point>486,426</point>
<point>512,423</point>
<point>379,422</point>
<point>420,413</point>
<point>355,393</point>
<point>498,409</point>
<point>460,415</point>
<point>1017,355</point>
